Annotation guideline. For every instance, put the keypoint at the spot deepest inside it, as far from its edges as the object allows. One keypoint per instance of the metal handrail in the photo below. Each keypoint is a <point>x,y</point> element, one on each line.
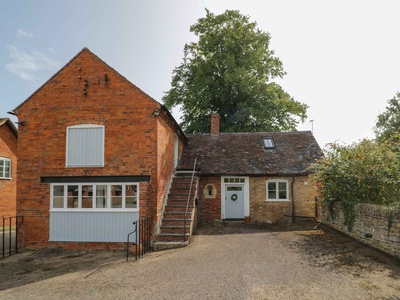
<point>188,198</point>
<point>19,220</point>
<point>127,240</point>
<point>142,237</point>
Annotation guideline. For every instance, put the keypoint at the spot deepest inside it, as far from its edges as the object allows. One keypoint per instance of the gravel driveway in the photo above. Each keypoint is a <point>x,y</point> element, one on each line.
<point>224,261</point>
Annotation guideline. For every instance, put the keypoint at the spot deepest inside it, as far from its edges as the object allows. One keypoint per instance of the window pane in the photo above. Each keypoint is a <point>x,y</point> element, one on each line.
<point>58,196</point>
<point>282,194</point>
<point>87,196</point>
<point>101,196</point>
<point>271,186</point>
<point>268,143</point>
<point>234,188</point>
<point>72,196</point>
<point>116,196</point>
<point>271,190</point>
<point>131,196</point>
<point>1,167</point>
<point>282,190</point>
<point>7,168</point>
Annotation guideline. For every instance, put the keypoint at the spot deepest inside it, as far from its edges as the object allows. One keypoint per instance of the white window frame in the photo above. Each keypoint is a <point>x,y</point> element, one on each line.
<point>3,174</point>
<point>277,181</point>
<point>84,126</point>
<point>93,208</point>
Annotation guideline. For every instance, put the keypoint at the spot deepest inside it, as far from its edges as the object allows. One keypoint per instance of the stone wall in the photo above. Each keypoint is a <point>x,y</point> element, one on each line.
<point>374,225</point>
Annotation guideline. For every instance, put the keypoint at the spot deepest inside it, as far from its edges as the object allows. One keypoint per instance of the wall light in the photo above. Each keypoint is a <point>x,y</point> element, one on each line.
<point>156,113</point>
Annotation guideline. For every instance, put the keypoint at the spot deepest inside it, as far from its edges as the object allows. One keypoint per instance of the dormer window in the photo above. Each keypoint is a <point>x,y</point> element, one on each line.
<point>268,143</point>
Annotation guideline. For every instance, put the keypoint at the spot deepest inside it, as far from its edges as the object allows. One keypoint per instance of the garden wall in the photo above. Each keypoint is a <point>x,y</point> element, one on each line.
<point>374,225</point>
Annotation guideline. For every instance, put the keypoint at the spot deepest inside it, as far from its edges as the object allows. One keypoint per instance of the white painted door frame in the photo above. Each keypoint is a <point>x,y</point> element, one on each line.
<point>245,184</point>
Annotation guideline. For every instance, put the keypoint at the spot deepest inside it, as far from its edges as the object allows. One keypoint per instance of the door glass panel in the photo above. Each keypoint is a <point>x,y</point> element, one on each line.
<point>72,196</point>
<point>101,196</point>
<point>234,188</point>
<point>116,196</point>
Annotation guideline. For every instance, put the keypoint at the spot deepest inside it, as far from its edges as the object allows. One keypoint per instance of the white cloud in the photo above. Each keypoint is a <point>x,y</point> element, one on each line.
<point>28,62</point>
<point>24,34</point>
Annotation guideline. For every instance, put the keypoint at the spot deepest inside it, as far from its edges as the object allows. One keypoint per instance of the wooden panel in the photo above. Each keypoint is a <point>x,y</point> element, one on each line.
<point>85,146</point>
<point>91,226</point>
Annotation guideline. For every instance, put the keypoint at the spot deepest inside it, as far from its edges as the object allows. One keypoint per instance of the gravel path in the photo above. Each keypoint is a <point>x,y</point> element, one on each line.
<point>222,262</point>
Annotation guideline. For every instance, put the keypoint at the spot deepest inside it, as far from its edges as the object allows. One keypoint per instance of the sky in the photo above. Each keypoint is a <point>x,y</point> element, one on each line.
<point>342,58</point>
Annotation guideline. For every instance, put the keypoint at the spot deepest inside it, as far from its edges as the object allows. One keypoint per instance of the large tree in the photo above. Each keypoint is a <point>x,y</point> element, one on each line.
<point>230,71</point>
<point>388,122</point>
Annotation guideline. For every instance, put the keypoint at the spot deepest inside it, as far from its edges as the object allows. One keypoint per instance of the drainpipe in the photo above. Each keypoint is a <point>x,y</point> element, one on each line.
<point>293,199</point>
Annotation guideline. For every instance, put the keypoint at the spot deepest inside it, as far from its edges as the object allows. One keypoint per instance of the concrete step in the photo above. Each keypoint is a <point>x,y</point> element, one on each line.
<point>174,230</point>
<point>172,237</point>
<point>165,245</point>
<point>178,208</point>
<point>175,222</point>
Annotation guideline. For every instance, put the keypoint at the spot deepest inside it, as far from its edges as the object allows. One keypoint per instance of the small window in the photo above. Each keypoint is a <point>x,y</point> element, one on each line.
<point>277,190</point>
<point>5,168</point>
<point>209,191</point>
<point>268,143</point>
<point>85,146</point>
<point>234,180</point>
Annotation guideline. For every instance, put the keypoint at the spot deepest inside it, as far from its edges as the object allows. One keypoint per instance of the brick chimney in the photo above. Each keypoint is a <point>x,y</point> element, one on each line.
<point>215,124</point>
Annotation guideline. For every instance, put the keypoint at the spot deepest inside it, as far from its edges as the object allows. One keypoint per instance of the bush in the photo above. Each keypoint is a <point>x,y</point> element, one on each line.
<point>363,172</point>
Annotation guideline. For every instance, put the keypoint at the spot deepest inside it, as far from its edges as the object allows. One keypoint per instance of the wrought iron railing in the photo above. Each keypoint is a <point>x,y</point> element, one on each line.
<point>9,234</point>
<point>142,234</point>
<point>188,199</point>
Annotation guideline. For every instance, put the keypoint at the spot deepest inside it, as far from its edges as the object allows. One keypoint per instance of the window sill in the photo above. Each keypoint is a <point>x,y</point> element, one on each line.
<point>94,210</point>
<point>4,178</point>
<point>277,200</point>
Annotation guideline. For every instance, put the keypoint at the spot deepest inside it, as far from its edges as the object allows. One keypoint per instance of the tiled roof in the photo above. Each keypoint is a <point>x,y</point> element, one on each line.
<point>244,153</point>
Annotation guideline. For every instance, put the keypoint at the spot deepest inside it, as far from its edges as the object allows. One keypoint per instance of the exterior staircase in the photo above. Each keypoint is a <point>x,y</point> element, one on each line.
<point>173,221</point>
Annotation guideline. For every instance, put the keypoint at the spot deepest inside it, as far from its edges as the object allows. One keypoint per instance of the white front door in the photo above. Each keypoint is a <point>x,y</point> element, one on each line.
<point>234,201</point>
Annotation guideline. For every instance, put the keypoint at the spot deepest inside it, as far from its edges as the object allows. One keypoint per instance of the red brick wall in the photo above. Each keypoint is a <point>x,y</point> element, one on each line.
<point>130,137</point>
<point>8,187</point>
<point>209,208</point>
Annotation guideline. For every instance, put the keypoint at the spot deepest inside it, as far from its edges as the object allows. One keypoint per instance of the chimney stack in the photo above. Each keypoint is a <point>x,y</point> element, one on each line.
<point>214,125</point>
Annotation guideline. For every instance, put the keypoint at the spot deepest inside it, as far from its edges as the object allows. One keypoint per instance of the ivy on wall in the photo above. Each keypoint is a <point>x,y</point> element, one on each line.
<point>366,172</point>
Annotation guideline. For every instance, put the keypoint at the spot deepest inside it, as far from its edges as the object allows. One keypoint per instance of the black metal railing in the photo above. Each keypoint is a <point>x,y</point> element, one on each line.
<point>142,234</point>
<point>187,202</point>
<point>9,234</point>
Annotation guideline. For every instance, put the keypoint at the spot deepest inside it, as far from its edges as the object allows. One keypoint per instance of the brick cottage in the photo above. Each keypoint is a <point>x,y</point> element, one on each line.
<point>96,153</point>
<point>8,168</point>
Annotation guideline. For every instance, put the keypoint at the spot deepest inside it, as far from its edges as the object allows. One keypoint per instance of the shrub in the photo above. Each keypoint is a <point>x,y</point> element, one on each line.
<point>363,172</point>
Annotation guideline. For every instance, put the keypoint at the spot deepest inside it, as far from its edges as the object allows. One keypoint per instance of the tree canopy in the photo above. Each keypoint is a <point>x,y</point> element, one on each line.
<point>229,71</point>
<point>388,122</point>
<point>363,172</point>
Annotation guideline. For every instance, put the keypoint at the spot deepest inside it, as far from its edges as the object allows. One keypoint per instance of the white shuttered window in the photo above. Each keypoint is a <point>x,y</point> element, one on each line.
<point>85,146</point>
